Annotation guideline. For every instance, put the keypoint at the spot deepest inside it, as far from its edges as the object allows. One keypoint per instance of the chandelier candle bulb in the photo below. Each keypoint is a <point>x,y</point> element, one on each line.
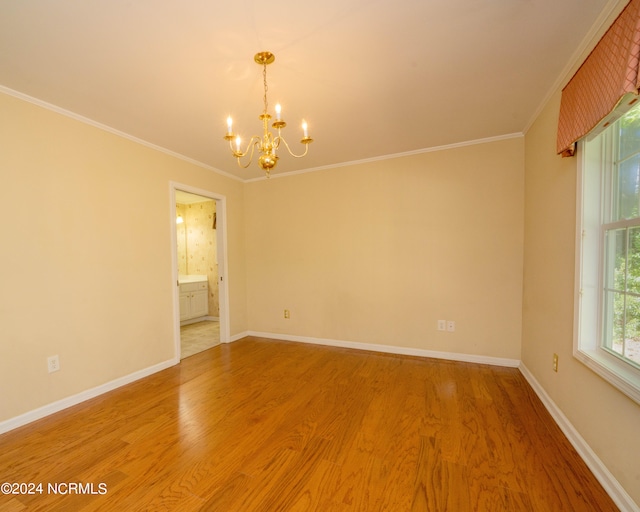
<point>278,112</point>
<point>229,125</point>
<point>238,141</point>
<point>305,130</point>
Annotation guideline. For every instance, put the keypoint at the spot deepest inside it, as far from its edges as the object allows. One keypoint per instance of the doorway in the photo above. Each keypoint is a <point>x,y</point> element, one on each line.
<point>199,250</point>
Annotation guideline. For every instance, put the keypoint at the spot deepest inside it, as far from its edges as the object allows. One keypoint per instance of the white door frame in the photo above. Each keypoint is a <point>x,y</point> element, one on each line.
<point>221,242</point>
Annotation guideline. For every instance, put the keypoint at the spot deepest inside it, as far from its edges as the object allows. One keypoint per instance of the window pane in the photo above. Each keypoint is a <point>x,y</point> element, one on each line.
<point>632,328</point>
<point>633,261</point>
<point>628,188</point>
<point>629,133</point>
<point>616,255</point>
<point>632,350</point>
<point>614,320</point>
<point>608,307</point>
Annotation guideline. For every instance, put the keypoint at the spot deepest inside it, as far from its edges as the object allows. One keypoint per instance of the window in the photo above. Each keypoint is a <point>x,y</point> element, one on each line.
<point>607,330</point>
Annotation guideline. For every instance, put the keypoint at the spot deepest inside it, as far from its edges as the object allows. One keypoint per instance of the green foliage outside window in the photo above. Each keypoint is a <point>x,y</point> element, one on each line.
<point>623,286</point>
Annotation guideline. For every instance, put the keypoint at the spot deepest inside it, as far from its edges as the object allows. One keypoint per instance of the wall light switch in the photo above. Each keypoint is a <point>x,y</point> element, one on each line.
<point>442,325</point>
<point>451,326</point>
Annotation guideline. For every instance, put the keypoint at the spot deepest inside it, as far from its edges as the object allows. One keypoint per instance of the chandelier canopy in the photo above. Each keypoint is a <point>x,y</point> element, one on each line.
<point>266,144</point>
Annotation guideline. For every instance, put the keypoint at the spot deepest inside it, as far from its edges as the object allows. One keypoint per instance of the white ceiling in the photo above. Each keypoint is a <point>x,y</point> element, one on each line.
<point>371,77</point>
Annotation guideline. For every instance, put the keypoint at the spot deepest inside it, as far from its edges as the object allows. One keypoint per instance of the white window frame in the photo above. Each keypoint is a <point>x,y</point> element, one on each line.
<point>592,198</point>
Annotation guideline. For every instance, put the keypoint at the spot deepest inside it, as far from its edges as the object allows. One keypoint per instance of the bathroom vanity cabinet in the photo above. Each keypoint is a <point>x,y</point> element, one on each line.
<point>194,297</point>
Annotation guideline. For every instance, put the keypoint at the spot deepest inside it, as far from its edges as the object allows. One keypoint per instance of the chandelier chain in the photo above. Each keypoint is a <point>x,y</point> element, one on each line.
<point>264,77</point>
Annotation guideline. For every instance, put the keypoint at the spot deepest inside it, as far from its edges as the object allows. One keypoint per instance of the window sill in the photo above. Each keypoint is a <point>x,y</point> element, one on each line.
<point>617,373</point>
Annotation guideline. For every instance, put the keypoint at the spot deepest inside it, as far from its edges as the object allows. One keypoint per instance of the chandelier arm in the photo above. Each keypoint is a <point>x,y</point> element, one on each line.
<point>244,166</point>
<point>240,154</point>
<point>280,138</point>
<point>253,142</point>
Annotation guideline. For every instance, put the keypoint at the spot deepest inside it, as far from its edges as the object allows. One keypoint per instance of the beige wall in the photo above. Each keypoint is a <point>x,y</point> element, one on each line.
<point>86,259</point>
<point>606,418</point>
<point>373,253</point>
<point>378,252</point>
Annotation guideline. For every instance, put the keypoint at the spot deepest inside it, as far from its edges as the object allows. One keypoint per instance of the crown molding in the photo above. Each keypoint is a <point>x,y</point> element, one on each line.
<point>393,155</point>
<point>602,23</point>
<point>100,126</point>
<point>106,128</point>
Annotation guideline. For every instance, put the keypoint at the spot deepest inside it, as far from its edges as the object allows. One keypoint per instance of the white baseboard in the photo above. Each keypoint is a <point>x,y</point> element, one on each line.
<point>617,493</point>
<point>46,410</point>
<point>238,336</point>
<point>389,349</point>
<point>620,497</point>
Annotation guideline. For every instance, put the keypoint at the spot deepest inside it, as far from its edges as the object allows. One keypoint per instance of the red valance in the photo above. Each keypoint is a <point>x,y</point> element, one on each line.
<point>606,76</point>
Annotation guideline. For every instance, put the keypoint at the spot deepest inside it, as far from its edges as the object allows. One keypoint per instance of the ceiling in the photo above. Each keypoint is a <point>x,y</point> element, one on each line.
<point>371,77</point>
<point>183,197</point>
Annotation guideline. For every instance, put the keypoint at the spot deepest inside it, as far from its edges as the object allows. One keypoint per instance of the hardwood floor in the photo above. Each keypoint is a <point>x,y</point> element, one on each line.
<point>263,425</point>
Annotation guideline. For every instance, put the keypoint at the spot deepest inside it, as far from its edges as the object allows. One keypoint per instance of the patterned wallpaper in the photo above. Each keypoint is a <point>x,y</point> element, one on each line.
<point>197,249</point>
<point>181,233</point>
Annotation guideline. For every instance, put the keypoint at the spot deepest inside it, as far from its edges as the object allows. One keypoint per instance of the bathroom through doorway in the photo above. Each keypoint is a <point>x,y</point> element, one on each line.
<point>198,251</point>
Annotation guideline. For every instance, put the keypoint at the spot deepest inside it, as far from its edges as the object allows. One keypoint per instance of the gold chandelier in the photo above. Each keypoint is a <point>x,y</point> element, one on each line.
<point>267,144</point>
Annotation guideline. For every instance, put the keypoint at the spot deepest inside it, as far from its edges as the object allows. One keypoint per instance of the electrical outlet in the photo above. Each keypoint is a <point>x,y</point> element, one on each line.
<point>287,314</point>
<point>53,364</point>
<point>555,362</point>
<point>451,326</point>
<point>442,325</point>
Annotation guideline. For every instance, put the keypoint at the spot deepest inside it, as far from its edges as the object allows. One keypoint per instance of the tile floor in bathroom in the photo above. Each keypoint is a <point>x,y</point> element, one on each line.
<point>197,337</point>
